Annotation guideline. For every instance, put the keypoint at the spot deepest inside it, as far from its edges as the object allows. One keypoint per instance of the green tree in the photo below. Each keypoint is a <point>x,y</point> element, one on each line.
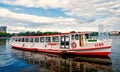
<point>72,32</point>
<point>33,33</point>
<point>94,34</point>
<point>4,34</point>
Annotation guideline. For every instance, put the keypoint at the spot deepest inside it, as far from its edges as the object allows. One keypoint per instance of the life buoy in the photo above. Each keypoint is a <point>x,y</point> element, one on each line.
<point>73,45</point>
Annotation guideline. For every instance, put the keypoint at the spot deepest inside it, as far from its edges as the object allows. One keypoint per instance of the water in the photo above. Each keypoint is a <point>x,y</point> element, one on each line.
<point>115,55</point>
<point>10,63</point>
<point>12,60</point>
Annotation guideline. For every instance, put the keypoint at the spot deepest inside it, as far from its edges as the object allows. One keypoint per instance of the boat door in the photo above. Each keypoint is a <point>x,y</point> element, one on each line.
<point>81,40</point>
<point>65,41</point>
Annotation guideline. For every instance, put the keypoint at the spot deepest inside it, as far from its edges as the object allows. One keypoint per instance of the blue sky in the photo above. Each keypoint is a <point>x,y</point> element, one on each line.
<point>35,11</point>
<point>59,15</point>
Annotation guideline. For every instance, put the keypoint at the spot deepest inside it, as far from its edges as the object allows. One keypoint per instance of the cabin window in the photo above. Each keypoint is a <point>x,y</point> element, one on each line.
<point>36,39</point>
<point>13,39</point>
<point>19,39</point>
<point>27,39</point>
<point>76,36</point>
<point>86,36</point>
<point>48,39</point>
<point>41,39</point>
<point>16,39</point>
<point>31,39</point>
<point>55,39</point>
<point>72,37</point>
<point>22,40</point>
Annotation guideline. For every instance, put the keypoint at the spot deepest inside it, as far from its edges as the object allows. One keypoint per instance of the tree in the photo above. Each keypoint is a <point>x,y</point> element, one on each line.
<point>94,34</point>
<point>4,34</point>
<point>72,32</point>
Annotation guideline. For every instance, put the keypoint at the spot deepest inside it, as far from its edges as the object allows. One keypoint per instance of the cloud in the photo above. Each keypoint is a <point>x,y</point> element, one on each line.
<point>73,7</point>
<point>37,3</point>
<point>85,15</point>
<point>20,21</point>
<point>77,7</point>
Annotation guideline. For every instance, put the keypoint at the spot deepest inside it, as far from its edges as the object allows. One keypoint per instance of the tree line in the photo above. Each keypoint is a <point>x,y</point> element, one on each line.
<point>28,33</point>
<point>4,34</point>
<point>33,33</point>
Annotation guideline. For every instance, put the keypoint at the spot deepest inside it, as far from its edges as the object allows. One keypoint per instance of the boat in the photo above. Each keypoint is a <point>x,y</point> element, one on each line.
<point>77,43</point>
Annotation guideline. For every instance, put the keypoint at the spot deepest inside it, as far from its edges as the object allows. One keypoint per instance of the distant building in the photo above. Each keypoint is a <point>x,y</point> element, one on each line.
<point>3,29</point>
<point>114,32</point>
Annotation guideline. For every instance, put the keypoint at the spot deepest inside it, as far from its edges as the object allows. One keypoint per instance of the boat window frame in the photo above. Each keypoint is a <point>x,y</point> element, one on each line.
<point>48,39</point>
<point>86,36</point>
<point>72,37</point>
<point>16,39</point>
<point>23,39</point>
<point>19,40</point>
<point>26,39</point>
<point>76,37</point>
<point>55,39</point>
<point>13,39</point>
<point>31,39</point>
<point>42,39</point>
<point>37,39</point>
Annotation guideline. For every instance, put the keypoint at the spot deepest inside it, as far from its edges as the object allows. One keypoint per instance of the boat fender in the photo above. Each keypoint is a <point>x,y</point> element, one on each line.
<point>74,45</point>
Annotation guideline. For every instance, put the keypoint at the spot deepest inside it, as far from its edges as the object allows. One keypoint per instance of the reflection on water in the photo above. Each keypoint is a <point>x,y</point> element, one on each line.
<point>21,61</point>
<point>2,45</point>
<point>2,42</point>
<point>9,63</point>
<point>55,63</point>
<point>5,53</point>
<point>115,55</point>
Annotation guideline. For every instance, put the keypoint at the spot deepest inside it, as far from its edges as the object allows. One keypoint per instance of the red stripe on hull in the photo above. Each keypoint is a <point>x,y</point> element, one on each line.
<point>39,50</point>
<point>93,53</point>
<point>62,52</point>
<point>95,48</point>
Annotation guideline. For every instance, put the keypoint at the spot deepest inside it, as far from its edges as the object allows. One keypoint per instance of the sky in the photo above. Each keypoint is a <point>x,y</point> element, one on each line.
<point>59,15</point>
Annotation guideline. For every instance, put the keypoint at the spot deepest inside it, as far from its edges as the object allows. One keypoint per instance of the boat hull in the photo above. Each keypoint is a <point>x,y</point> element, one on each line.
<point>100,51</point>
<point>93,52</point>
<point>38,50</point>
<point>100,54</point>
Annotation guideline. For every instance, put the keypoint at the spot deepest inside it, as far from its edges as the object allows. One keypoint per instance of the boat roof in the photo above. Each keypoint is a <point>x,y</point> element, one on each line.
<point>52,34</point>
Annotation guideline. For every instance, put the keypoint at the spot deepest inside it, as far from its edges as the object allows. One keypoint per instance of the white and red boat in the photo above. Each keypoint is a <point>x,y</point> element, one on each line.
<point>74,43</point>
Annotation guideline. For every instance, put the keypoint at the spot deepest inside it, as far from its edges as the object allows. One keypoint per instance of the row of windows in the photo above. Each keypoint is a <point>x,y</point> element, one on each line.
<point>45,39</point>
<point>37,39</point>
<point>75,37</point>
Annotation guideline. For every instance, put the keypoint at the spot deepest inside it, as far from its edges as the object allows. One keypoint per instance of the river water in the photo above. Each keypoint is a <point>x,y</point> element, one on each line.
<point>12,60</point>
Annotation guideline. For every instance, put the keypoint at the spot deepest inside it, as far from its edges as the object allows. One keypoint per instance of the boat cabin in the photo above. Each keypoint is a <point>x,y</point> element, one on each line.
<point>75,43</point>
<point>56,41</point>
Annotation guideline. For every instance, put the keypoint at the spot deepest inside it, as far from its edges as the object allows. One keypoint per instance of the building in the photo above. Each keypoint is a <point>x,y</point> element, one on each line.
<point>3,29</point>
<point>114,32</point>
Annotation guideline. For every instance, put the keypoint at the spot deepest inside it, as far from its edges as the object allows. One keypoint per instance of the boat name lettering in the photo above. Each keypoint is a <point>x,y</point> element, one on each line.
<point>53,44</point>
<point>99,44</point>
